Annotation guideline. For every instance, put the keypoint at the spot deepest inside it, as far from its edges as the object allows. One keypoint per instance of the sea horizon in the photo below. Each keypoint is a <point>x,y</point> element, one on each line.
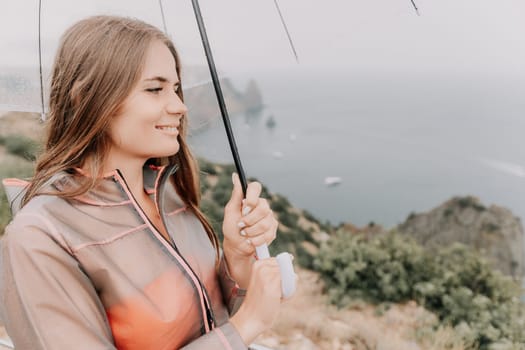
<point>400,143</point>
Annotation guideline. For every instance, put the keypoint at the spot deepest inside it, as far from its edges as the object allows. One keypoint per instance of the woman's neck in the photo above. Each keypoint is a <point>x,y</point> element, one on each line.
<point>132,171</point>
<point>134,179</point>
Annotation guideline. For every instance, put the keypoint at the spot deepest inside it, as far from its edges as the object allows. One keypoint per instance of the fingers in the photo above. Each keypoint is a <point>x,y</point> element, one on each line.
<point>260,225</point>
<point>270,263</point>
<point>268,274</point>
<point>257,212</point>
<point>247,204</point>
<point>266,238</point>
<point>263,226</point>
<point>250,222</point>
<point>253,193</point>
<point>236,198</point>
<point>264,231</point>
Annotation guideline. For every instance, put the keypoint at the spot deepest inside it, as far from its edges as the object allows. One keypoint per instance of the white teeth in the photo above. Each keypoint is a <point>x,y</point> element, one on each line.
<point>167,128</point>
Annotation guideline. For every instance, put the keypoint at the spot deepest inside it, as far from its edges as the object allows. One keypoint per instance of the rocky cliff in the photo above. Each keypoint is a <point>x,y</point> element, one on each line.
<point>200,97</point>
<point>493,231</point>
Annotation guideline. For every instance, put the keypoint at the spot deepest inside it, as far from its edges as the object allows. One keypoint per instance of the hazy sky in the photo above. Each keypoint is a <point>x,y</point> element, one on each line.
<point>450,35</point>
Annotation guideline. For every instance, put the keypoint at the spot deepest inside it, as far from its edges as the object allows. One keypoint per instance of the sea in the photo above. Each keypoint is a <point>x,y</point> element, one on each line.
<point>400,143</point>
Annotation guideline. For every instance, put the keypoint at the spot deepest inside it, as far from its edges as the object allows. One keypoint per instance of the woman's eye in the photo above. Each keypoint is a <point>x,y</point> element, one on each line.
<point>154,90</point>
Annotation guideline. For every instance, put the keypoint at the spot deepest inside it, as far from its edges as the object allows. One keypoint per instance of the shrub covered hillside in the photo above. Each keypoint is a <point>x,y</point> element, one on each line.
<point>455,283</point>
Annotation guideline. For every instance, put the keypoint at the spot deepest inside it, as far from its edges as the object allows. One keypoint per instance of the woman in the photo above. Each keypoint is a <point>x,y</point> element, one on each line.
<point>109,249</point>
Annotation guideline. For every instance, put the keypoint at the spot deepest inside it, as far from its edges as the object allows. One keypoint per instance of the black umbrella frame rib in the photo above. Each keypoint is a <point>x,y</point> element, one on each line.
<point>43,111</point>
<point>220,96</point>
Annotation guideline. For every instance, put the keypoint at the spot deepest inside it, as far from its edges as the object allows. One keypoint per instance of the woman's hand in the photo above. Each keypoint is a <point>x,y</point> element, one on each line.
<point>262,302</point>
<point>247,223</point>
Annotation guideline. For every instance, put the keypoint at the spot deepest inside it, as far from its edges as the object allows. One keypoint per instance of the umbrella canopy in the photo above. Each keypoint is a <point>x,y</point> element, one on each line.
<point>24,55</point>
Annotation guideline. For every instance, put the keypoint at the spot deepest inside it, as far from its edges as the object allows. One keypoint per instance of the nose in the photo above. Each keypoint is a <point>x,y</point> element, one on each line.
<point>175,105</point>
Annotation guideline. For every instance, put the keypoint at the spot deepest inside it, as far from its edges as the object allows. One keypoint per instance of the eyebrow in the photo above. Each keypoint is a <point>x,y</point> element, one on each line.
<point>160,79</point>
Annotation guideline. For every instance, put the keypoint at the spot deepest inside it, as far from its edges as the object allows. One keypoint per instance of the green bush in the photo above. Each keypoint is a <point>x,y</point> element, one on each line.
<point>454,282</point>
<point>20,146</point>
<point>5,211</point>
<point>205,185</point>
<point>206,167</point>
<point>288,218</point>
<point>280,203</point>
<point>290,241</point>
<point>214,198</point>
<point>310,217</point>
<point>466,202</point>
<point>11,167</point>
<point>221,192</point>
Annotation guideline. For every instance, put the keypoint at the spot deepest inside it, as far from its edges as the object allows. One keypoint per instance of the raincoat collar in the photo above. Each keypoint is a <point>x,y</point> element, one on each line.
<point>107,192</point>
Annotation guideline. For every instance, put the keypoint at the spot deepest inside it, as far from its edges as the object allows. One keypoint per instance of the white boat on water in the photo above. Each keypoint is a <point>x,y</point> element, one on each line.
<point>332,180</point>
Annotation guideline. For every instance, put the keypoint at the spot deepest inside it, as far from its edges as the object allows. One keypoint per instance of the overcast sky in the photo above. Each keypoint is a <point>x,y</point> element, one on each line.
<point>450,35</point>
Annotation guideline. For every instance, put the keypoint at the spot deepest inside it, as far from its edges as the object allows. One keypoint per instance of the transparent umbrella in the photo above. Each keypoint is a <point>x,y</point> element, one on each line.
<point>29,35</point>
<point>25,69</point>
<point>30,31</point>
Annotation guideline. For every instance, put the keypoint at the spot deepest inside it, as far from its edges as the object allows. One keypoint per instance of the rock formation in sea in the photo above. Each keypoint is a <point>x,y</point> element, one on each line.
<point>201,99</point>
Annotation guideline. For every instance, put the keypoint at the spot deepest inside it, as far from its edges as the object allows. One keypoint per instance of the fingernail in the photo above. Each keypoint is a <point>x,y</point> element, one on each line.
<point>243,233</point>
<point>246,210</point>
<point>233,178</point>
<point>249,241</point>
<point>241,224</point>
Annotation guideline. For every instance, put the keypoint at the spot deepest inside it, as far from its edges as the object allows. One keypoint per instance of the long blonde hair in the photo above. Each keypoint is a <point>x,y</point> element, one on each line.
<point>98,62</point>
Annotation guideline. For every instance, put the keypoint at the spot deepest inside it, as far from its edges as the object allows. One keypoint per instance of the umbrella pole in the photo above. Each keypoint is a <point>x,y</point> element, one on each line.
<point>220,96</point>
<point>283,259</point>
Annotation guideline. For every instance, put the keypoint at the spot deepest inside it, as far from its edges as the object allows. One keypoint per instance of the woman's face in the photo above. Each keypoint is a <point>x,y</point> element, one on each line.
<point>147,123</point>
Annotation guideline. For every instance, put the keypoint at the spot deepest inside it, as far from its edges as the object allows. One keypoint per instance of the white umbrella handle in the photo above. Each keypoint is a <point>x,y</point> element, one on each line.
<point>285,265</point>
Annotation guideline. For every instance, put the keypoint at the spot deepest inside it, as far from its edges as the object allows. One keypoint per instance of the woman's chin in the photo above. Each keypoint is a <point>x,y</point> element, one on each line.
<point>168,152</point>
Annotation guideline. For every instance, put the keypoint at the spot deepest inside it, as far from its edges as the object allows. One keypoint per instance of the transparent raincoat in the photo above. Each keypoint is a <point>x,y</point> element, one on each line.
<point>94,273</point>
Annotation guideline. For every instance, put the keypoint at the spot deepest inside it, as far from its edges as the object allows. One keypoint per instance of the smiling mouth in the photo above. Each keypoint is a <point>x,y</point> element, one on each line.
<point>169,128</point>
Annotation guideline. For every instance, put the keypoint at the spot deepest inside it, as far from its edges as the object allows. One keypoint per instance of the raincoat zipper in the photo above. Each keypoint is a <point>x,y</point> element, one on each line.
<point>208,315</point>
<point>163,176</point>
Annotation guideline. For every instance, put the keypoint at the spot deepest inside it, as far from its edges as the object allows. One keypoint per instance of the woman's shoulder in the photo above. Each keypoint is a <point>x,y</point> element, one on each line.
<point>15,189</point>
<point>32,235</point>
<point>35,218</point>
